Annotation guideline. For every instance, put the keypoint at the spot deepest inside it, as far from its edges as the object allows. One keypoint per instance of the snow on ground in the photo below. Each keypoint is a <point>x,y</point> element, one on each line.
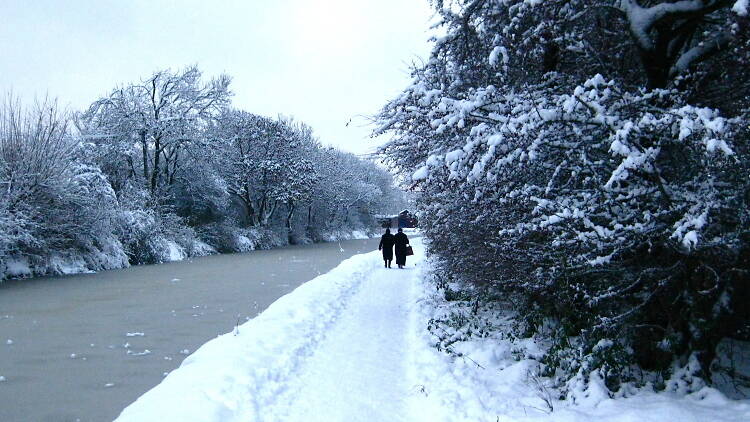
<point>352,345</point>
<point>490,383</point>
<point>334,346</point>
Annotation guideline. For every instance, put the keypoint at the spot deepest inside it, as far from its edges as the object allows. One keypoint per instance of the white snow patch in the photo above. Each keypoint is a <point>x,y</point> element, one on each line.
<point>175,252</point>
<point>244,244</point>
<point>740,7</point>
<point>690,240</point>
<point>200,248</point>
<point>18,267</point>
<point>454,156</point>
<point>359,234</point>
<point>421,174</point>
<point>68,265</point>
<point>497,52</point>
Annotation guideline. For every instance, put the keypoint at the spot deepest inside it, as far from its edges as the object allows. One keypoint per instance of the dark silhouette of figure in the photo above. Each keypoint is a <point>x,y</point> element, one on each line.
<point>401,242</point>
<point>386,245</point>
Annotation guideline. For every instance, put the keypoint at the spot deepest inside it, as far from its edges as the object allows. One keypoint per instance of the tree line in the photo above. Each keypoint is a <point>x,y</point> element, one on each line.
<point>166,168</point>
<point>585,165</point>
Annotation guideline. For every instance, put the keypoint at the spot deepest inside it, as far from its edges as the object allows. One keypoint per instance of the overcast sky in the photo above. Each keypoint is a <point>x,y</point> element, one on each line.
<point>322,61</point>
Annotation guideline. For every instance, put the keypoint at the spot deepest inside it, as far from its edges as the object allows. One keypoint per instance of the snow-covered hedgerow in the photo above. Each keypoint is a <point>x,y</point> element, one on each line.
<point>588,163</point>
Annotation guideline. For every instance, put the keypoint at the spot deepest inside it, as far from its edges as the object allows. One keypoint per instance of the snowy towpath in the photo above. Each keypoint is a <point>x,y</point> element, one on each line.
<point>359,372</point>
<point>335,349</point>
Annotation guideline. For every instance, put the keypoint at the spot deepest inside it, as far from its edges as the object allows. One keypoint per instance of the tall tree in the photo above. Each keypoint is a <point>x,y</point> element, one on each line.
<point>151,121</point>
<point>265,164</point>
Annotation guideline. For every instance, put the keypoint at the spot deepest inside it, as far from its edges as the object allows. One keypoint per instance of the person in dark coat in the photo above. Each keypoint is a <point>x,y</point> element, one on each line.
<point>386,245</point>
<point>401,242</point>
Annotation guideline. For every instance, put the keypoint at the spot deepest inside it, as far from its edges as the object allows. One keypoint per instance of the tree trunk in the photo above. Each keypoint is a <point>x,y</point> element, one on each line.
<point>175,158</point>
<point>289,222</point>
<point>289,216</point>
<point>251,213</point>
<point>144,147</point>
<point>269,213</point>
<point>656,67</point>
<point>155,171</point>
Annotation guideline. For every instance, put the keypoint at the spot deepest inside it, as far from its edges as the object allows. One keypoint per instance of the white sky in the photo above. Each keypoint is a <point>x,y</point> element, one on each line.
<point>321,61</point>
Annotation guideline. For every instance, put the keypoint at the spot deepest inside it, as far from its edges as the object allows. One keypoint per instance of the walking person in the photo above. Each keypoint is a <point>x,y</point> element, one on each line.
<point>386,245</point>
<point>402,243</point>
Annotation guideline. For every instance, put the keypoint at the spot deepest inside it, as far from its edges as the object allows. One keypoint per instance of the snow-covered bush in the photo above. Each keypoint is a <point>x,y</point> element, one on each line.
<point>578,159</point>
<point>56,213</point>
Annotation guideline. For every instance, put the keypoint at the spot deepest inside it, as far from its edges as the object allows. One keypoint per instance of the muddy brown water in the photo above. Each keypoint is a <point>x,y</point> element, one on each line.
<point>83,347</point>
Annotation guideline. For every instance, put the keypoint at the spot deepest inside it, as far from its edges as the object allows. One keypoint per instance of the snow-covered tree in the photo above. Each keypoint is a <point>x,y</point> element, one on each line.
<point>148,124</point>
<point>264,163</point>
<point>50,201</point>
<point>163,169</point>
<point>582,159</point>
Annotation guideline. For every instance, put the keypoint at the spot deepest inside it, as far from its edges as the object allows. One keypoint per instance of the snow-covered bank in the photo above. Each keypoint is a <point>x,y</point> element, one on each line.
<point>111,254</point>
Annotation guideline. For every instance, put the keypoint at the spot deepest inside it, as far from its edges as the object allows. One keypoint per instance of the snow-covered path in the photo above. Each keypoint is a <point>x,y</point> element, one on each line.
<point>335,349</point>
<point>359,372</point>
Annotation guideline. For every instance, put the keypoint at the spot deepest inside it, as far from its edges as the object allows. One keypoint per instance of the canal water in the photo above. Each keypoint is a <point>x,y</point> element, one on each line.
<point>83,347</point>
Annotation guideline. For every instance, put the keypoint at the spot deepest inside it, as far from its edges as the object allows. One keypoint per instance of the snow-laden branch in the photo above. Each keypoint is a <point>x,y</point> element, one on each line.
<point>699,53</point>
<point>642,19</point>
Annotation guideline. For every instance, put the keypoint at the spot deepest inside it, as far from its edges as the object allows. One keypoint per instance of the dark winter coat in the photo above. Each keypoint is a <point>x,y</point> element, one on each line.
<point>386,245</point>
<point>401,241</point>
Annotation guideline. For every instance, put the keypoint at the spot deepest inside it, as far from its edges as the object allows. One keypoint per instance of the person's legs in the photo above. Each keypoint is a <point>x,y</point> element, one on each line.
<point>400,260</point>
